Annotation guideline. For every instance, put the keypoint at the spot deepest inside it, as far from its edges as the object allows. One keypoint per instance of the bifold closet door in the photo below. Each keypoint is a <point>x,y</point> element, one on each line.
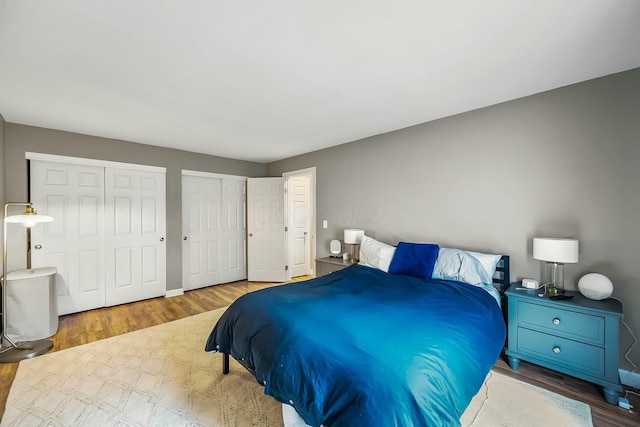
<point>214,230</point>
<point>135,230</point>
<point>107,236</point>
<point>74,242</point>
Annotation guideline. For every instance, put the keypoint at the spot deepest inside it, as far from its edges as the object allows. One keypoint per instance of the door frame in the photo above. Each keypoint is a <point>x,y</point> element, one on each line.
<point>311,173</point>
<point>92,162</point>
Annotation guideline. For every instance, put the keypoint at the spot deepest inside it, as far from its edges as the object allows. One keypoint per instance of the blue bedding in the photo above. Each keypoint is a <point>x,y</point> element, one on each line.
<point>360,347</point>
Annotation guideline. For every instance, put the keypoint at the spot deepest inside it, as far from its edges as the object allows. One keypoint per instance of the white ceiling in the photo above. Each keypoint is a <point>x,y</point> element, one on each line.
<point>265,80</point>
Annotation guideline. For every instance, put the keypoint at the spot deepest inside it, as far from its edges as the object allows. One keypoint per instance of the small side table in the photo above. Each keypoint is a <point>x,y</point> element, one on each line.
<point>577,336</point>
<point>328,265</point>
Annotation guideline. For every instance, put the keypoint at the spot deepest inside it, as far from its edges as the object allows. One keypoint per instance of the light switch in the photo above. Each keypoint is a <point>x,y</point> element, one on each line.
<point>325,224</point>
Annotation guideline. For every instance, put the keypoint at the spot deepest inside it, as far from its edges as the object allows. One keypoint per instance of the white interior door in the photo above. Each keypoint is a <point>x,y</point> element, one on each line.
<point>299,220</point>
<point>135,235</point>
<point>74,242</point>
<point>266,241</point>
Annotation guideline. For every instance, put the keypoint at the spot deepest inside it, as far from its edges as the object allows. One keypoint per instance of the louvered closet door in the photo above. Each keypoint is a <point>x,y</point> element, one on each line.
<point>135,235</point>
<point>74,242</point>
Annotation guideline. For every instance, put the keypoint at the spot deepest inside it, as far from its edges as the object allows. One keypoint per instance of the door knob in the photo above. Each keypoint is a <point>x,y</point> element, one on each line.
<point>162,239</point>
<point>250,234</point>
<point>184,238</point>
<point>38,246</point>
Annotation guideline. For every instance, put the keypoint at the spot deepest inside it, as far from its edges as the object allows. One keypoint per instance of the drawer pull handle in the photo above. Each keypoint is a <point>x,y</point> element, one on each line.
<point>556,350</point>
<point>556,321</point>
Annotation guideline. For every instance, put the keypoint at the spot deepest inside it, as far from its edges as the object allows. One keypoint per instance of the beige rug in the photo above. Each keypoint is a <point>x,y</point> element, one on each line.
<point>160,376</point>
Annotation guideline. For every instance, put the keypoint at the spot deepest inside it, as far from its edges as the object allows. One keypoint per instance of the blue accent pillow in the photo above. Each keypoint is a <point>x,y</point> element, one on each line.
<point>414,259</point>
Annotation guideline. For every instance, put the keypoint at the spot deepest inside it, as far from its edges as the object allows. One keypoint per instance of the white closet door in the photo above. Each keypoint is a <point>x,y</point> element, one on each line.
<point>74,242</point>
<point>266,219</point>
<point>201,203</point>
<point>233,230</point>
<point>135,235</point>
<point>214,231</point>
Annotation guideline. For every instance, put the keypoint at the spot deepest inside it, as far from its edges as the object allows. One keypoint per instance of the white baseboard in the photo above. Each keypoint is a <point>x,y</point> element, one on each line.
<point>629,378</point>
<point>174,293</point>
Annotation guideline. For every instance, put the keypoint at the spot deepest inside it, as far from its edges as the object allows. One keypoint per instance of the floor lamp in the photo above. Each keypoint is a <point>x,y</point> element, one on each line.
<point>12,352</point>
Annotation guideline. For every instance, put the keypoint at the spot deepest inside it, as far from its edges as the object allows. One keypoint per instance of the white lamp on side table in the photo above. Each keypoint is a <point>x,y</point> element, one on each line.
<point>556,252</point>
<point>352,239</point>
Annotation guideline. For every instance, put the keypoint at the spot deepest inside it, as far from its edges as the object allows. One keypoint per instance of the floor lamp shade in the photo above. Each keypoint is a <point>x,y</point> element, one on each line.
<point>555,252</point>
<point>28,220</point>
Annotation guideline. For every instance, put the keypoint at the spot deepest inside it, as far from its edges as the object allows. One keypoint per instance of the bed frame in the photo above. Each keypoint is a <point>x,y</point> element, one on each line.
<point>502,277</point>
<point>501,280</point>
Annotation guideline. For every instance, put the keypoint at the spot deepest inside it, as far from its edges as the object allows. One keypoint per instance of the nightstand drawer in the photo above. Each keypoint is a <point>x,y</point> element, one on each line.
<point>582,327</point>
<point>562,352</point>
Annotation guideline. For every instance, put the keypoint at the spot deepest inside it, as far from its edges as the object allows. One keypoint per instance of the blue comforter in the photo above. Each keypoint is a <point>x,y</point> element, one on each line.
<point>360,347</point>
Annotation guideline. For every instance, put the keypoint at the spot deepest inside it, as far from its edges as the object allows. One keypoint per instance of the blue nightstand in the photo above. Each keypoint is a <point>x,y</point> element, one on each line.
<point>578,337</point>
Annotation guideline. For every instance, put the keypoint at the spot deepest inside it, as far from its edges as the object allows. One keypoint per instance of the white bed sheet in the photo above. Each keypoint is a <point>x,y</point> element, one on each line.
<point>291,417</point>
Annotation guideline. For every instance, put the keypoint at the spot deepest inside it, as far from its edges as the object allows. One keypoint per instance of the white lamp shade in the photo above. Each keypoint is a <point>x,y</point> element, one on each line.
<point>28,220</point>
<point>353,236</point>
<point>552,249</point>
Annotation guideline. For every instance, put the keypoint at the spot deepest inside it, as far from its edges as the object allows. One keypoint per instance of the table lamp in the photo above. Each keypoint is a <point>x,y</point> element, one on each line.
<point>352,239</point>
<point>556,252</point>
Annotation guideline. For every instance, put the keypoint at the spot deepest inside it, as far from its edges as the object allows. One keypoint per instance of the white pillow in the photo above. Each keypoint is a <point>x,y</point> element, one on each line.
<point>489,261</point>
<point>376,254</point>
<point>461,266</point>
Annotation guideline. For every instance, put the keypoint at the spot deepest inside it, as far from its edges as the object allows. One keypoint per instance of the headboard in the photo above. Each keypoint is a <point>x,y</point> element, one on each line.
<point>502,276</point>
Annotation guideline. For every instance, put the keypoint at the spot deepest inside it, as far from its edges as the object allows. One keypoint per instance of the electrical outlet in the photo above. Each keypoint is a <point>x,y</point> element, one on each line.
<point>624,403</point>
<point>325,224</point>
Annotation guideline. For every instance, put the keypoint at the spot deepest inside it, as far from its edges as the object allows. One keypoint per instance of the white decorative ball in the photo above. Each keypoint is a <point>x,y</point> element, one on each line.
<point>595,286</point>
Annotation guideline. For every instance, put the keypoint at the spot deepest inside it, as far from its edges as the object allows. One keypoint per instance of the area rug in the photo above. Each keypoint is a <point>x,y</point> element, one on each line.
<point>161,376</point>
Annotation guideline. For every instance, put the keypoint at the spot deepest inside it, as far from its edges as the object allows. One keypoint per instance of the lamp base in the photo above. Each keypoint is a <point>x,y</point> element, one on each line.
<point>25,350</point>
<point>353,250</point>
<point>551,290</point>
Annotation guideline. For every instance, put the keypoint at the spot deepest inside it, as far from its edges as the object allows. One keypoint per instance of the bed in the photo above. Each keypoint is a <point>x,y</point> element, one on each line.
<point>364,347</point>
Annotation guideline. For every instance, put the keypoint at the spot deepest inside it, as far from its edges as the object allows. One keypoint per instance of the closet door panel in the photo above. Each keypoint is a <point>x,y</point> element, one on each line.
<point>74,242</point>
<point>234,229</point>
<point>135,235</point>
<point>201,224</point>
<point>214,229</point>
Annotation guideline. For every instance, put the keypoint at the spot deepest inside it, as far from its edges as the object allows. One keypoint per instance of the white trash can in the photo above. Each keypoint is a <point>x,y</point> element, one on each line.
<point>32,304</point>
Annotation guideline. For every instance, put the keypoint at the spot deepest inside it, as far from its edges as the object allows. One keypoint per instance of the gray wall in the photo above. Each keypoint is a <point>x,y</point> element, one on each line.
<point>20,139</point>
<point>562,163</point>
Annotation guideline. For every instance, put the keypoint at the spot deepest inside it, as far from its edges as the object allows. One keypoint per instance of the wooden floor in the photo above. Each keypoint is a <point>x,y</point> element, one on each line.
<point>81,328</point>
